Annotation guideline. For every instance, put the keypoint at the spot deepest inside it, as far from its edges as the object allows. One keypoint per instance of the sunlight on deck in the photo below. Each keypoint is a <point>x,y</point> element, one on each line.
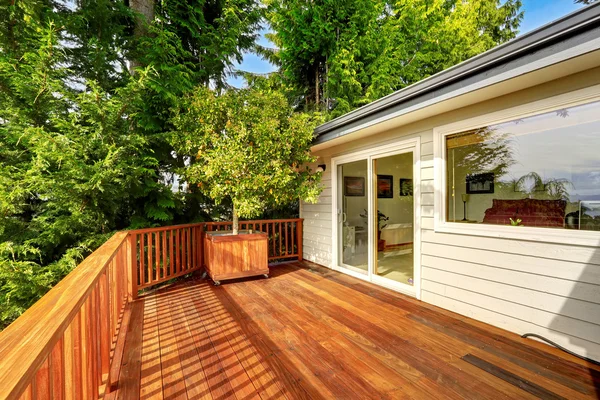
<point>308,332</point>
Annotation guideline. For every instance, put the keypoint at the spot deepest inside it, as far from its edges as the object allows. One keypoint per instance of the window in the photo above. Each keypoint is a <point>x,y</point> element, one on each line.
<point>539,171</point>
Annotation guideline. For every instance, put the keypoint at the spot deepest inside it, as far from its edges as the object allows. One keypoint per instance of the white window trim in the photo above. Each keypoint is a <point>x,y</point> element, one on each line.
<point>546,235</point>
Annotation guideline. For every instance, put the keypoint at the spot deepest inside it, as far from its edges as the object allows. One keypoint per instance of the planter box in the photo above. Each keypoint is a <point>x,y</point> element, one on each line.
<point>228,256</point>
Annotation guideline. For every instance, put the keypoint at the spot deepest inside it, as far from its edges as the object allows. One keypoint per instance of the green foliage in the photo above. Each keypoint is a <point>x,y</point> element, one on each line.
<point>208,36</point>
<point>72,164</point>
<point>247,146</point>
<point>99,35</point>
<point>515,222</point>
<point>341,54</point>
<point>188,44</point>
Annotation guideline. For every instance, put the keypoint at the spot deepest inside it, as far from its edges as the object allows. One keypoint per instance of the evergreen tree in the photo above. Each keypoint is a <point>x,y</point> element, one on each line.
<point>340,54</point>
<point>72,168</point>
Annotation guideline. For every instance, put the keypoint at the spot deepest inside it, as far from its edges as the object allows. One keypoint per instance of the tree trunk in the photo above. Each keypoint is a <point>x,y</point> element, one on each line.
<point>144,10</point>
<point>326,90</point>
<point>317,88</point>
<point>236,222</point>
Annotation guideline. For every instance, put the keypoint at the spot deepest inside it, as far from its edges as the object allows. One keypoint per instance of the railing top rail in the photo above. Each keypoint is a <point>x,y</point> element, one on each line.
<point>212,223</point>
<point>26,343</point>
<point>259,221</point>
<point>165,228</point>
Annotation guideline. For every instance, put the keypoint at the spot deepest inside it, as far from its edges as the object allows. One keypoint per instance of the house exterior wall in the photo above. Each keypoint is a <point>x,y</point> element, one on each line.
<point>551,289</point>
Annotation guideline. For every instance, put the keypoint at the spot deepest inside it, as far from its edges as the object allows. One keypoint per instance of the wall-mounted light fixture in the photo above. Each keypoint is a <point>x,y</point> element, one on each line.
<point>321,168</point>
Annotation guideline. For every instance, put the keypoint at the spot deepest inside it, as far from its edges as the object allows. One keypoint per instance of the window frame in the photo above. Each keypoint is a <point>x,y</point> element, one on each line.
<point>536,234</point>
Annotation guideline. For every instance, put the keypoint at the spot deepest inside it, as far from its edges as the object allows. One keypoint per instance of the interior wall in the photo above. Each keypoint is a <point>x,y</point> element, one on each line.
<point>399,208</point>
<point>355,205</point>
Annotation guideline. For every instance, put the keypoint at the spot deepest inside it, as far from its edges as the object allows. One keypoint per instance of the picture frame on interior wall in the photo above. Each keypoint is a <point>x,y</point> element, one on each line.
<point>385,186</point>
<point>406,187</point>
<point>480,183</point>
<point>354,186</point>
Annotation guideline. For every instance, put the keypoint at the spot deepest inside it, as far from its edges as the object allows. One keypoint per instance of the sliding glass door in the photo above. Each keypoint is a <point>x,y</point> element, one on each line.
<point>395,218</point>
<point>353,216</point>
<point>376,211</point>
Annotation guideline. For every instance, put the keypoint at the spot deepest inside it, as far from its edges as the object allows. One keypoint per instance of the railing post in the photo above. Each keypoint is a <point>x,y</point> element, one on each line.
<point>299,237</point>
<point>131,265</point>
<point>200,244</point>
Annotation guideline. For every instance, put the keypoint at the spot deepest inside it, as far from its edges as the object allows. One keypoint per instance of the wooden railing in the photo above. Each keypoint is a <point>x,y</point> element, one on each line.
<point>165,253</point>
<point>64,345</point>
<point>70,343</point>
<point>285,235</point>
<point>162,254</point>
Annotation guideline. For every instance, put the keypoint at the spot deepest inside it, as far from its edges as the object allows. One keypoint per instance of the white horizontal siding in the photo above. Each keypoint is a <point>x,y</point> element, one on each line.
<point>560,324</point>
<point>427,187</point>
<point>315,230</point>
<point>427,211</point>
<point>316,244</point>
<point>427,148</point>
<point>324,216</point>
<point>572,254</point>
<point>427,174</point>
<point>316,222</point>
<point>534,302</point>
<point>518,278</point>
<point>475,308</point>
<point>427,199</point>
<point>427,162</point>
<point>318,207</point>
<point>426,223</point>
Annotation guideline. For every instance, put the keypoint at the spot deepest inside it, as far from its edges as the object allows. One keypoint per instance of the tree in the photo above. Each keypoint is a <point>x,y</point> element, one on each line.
<point>340,54</point>
<point>73,166</point>
<point>187,44</point>
<point>308,35</point>
<point>247,146</point>
<point>204,38</point>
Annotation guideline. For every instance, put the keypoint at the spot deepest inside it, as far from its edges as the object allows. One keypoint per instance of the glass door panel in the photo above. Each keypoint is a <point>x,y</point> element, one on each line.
<point>394,218</point>
<point>352,209</point>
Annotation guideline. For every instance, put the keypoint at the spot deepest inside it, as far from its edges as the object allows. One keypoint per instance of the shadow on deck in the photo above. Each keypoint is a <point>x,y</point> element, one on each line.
<point>308,332</point>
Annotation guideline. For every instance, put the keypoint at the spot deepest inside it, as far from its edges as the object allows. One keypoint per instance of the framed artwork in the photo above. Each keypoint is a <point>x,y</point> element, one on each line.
<point>354,186</point>
<point>406,187</point>
<point>480,183</point>
<point>385,186</point>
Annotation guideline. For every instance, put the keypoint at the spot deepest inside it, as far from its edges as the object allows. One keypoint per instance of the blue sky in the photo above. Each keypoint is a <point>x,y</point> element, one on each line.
<point>537,13</point>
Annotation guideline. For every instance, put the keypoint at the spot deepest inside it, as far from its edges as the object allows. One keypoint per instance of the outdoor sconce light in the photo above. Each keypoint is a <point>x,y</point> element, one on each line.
<point>321,168</point>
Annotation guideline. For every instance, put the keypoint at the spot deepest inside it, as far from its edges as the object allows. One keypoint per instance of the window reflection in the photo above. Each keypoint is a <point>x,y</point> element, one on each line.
<point>540,171</point>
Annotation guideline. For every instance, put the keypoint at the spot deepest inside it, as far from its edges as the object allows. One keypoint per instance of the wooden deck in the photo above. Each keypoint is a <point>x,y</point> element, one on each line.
<point>311,333</point>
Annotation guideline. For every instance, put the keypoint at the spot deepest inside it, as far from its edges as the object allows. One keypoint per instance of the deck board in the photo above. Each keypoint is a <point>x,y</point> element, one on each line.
<point>311,333</point>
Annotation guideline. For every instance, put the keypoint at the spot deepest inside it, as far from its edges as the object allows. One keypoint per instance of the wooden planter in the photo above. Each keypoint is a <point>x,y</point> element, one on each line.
<point>228,256</point>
